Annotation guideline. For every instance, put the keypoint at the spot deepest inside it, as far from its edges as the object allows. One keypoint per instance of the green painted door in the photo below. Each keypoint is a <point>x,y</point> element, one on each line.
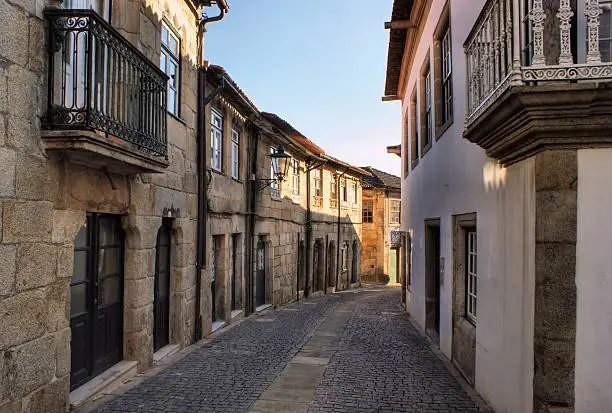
<point>393,266</point>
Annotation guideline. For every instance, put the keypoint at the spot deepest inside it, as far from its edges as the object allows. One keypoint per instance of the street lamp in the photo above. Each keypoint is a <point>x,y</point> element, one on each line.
<point>280,166</point>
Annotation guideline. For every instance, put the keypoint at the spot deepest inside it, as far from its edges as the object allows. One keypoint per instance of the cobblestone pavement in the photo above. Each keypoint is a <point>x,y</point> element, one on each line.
<point>378,363</point>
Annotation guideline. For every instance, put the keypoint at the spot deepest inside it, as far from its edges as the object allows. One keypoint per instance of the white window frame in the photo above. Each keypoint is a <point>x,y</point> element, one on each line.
<point>395,209</point>
<point>275,185</point>
<point>167,57</point>
<point>354,193</point>
<point>344,256</point>
<point>447,77</point>
<point>428,138</point>
<point>343,191</point>
<point>471,302</point>
<point>235,153</point>
<point>216,140</point>
<point>295,168</point>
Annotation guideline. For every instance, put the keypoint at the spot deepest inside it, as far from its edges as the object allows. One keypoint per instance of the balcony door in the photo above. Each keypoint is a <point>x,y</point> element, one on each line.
<point>96,298</point>
<point>161,298</point>
<point>102,7</point>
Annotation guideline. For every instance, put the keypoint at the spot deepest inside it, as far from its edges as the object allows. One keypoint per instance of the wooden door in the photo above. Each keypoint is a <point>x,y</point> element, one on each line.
<point>161,298</point>
<point>260,288</point>
<point>96,304</point>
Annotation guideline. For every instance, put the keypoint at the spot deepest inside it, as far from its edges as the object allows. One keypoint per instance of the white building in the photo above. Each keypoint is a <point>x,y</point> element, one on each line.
<point>507,160</point>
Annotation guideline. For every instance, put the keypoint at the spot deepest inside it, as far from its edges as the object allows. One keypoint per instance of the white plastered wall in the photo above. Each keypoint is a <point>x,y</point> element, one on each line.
<point>456,177</point>
<point>593,379</point>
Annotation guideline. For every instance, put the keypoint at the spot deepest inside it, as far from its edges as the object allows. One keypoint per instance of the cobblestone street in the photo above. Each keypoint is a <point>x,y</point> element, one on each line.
<point>350,352</point>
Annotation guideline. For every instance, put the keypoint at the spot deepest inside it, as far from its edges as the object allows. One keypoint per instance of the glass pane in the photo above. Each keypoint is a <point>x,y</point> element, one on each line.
<point>171,100</point>
<point>108,231</point>
<point>108,262</point>
<point>172,70</point>
<point>78,299</point>
<point>164,35</point>
<point>108,291</point>
<point>173,44</point>
<point>162,62</point>
<point>81,238</point>
<point>79,266</point>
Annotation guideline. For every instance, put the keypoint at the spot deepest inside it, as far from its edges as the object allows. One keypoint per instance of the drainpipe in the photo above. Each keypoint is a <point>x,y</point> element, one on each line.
<point>307,248</point>
<point>252,150</point>
<point>338,263</point>
<point>201,167</point>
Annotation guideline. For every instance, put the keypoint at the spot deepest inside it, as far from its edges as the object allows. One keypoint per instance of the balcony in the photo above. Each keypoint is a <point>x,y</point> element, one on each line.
<point>537,78</point>
<point>106,100</point>
<point>317,201</point>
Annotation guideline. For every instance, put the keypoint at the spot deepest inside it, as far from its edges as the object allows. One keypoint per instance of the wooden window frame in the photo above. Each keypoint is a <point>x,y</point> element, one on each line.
<point>235,153</point>
<point>367,211</point>
<point>393,203</point>
<point>414,130</point>
<point>219,114</point>
<point>425,109</point>
<point>443,120</point>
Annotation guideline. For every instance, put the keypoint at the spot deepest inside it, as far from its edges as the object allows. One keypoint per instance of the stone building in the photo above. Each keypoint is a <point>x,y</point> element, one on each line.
<point>506,158</point>
<point>98,193</point>
<point>382,250</point>
<point>330,191</point>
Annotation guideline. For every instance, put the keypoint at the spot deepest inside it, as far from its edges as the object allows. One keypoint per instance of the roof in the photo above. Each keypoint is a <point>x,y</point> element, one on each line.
<point>395,149</point>
<point>234,92</point>
<point>380,179</point>
<point>293,133</point>
<point>348,166</point>
<point>397,44</point>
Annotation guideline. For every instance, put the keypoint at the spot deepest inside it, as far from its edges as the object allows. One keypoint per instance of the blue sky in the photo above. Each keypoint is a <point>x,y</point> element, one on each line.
<point>318,64</point>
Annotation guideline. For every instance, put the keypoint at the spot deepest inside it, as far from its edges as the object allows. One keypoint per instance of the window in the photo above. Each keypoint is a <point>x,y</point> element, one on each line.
<point>414,130</point>
<point>605,31</point>
<point>406,157</point>
<point>295,169</point>
<point>318,188</point>
<point>235,154</point>
<point>169,63</point>
<point>354,192</point>
<point>216,141</point>
<point>447,80</point>
<point>275,186</point>
<point>427,117</point>
<point>343,193</point>
<point>471,276</point>
<point>367,211</point>
<point>333,192</point>
<point>344,256</point>
<point>396,208</point>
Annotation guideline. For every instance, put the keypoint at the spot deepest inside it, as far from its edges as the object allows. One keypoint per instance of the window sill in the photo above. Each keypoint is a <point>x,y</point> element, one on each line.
<point>414,163</point>
<point>441,129</point>
<point>240,181</point>
<point>218,172</point>
<point>177,118</point>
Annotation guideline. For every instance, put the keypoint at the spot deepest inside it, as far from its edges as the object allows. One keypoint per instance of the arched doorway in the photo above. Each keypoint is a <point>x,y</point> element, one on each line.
<point>161,297</point>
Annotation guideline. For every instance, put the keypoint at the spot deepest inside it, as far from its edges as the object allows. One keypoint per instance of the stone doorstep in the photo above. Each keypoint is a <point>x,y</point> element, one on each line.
<point>262,307</point>
<point>165,352</point>
<point>236,313</point>
<point>217,325</point>
<point>103,383</point>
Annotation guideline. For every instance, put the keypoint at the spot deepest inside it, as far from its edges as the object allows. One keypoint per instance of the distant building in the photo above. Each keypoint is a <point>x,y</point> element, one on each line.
<point>381,239</point>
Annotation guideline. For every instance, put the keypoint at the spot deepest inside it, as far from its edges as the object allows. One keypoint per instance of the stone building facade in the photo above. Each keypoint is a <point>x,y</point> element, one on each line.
<point>382,240</point>
<point>98,193</point>
<point>506,157</point>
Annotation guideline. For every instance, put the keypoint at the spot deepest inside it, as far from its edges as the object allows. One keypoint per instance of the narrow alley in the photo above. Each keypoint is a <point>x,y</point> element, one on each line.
<point>349,352</point>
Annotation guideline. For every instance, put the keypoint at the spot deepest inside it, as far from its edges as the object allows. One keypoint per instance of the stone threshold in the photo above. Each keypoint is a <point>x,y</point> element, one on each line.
<point>103,383</point>
<point>217,325</point>
<point>165,352</point>
<point>262,307</point>
<point>236,313</point>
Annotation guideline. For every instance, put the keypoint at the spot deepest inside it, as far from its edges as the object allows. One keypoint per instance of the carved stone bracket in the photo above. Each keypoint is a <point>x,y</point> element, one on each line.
<point>526,120</point>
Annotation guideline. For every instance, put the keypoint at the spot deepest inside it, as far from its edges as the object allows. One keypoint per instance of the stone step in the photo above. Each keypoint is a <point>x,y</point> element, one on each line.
<point>104,383</point>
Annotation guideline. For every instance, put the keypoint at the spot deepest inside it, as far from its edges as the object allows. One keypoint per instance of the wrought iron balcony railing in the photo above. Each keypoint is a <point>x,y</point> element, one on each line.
<point>529,41</point>
<point>99,81</point>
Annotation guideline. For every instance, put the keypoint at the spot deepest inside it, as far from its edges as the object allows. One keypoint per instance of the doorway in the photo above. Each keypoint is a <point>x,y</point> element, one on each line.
<point>355,263</point>
<point>331,264</point>
<point>161,297</point>
<point>393,266</point>
<point>432,276</point>
<point>96,298</point>
<point>318,281</point>
<point>260,279</point>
